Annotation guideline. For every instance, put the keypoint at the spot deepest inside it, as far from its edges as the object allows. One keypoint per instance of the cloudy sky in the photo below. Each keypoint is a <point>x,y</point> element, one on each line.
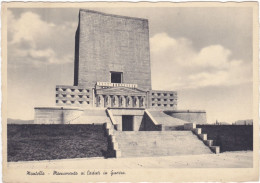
<point>203,53</point>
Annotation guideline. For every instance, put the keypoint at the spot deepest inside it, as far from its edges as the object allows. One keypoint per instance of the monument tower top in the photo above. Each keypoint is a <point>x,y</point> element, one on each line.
<point>112,48</point>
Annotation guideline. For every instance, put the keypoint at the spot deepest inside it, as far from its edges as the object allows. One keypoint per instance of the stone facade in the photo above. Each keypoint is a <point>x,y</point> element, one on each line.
<point>119,97</point>
<point>111,43</point>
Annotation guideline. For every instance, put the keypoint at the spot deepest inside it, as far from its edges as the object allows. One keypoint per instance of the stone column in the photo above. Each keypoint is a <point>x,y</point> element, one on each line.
<point>110,100</point>
<point>105,100</point>
<point>134,101</point>
<point>128,101</point>
<point>93,97</point>
<point>121,102</point>
<point>113,101</point>
<point>101,101</point>
<point>137,102</point>
<point>141,102</point>
<point>131,101</point>
<point>125,101</point>
<point>98,100</point>
<point>117,100</point>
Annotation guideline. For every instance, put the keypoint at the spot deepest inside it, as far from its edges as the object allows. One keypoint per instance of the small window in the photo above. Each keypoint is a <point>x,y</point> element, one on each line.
<point>158,94</point>
<point>152,99</point>
<point>171,94</point>
<point>165,105</point>
<point>116,77</point>
<point>165,94</point>
<point>159,99</point>
<point>152,104</point>
<point>171,105</point>
<point>159,104</point>
<point>165,99</point>
<point>152,93</point>
<point>171,100</point>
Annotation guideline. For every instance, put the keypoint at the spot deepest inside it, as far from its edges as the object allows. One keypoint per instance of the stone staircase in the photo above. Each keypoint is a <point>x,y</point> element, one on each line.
<point>202,136</point>
<point>159,143</point>
<point>168,123</point>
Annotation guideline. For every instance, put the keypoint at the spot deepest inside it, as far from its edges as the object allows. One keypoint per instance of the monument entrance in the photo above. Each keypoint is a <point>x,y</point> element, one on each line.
<point>127,123</point>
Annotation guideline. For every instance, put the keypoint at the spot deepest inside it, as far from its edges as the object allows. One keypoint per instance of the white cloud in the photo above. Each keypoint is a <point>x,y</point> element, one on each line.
<point>176,64</point>
<point>28,27</point>
<point>31,40</point>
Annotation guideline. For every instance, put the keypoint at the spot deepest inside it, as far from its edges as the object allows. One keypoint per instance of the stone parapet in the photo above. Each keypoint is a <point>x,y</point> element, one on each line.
<point>193,116</point>
<point>74,96</point>
<point>57,115</point>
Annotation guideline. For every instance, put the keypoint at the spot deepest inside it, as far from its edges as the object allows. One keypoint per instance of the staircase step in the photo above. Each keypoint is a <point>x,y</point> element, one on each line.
<point>159,143</point>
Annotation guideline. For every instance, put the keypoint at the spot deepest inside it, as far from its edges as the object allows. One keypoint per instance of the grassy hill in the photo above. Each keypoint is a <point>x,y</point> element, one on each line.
<point>47,142</point>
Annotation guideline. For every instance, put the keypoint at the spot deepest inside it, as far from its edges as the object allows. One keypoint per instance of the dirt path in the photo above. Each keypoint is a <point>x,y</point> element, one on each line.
<point>239,159</point>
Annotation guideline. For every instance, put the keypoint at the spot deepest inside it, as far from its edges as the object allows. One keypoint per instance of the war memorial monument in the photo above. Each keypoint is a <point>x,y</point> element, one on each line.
<point>112,85</point>
<point>118,92</point>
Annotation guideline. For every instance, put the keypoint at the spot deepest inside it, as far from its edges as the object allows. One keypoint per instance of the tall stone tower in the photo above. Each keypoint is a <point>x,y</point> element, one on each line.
<point>108,45</point>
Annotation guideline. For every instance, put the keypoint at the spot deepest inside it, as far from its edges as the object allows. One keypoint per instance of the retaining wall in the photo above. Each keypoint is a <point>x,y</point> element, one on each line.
<point>230,137</point>
<point>56,115</point>
<point>193,116</point>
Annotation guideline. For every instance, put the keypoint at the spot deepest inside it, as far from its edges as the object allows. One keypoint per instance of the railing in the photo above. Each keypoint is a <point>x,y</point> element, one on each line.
<point>117,84</point>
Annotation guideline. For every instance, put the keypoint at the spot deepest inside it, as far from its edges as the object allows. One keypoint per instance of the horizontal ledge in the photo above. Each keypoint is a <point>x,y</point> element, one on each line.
<point>185,111</point>
<point>60,108</point>
<point>132,108</point>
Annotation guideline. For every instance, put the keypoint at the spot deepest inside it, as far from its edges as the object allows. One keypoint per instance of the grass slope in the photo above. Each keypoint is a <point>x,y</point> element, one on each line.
<point>46,142</point>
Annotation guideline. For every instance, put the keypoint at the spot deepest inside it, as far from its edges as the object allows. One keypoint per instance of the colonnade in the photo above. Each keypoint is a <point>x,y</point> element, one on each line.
<point>124,101</point>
